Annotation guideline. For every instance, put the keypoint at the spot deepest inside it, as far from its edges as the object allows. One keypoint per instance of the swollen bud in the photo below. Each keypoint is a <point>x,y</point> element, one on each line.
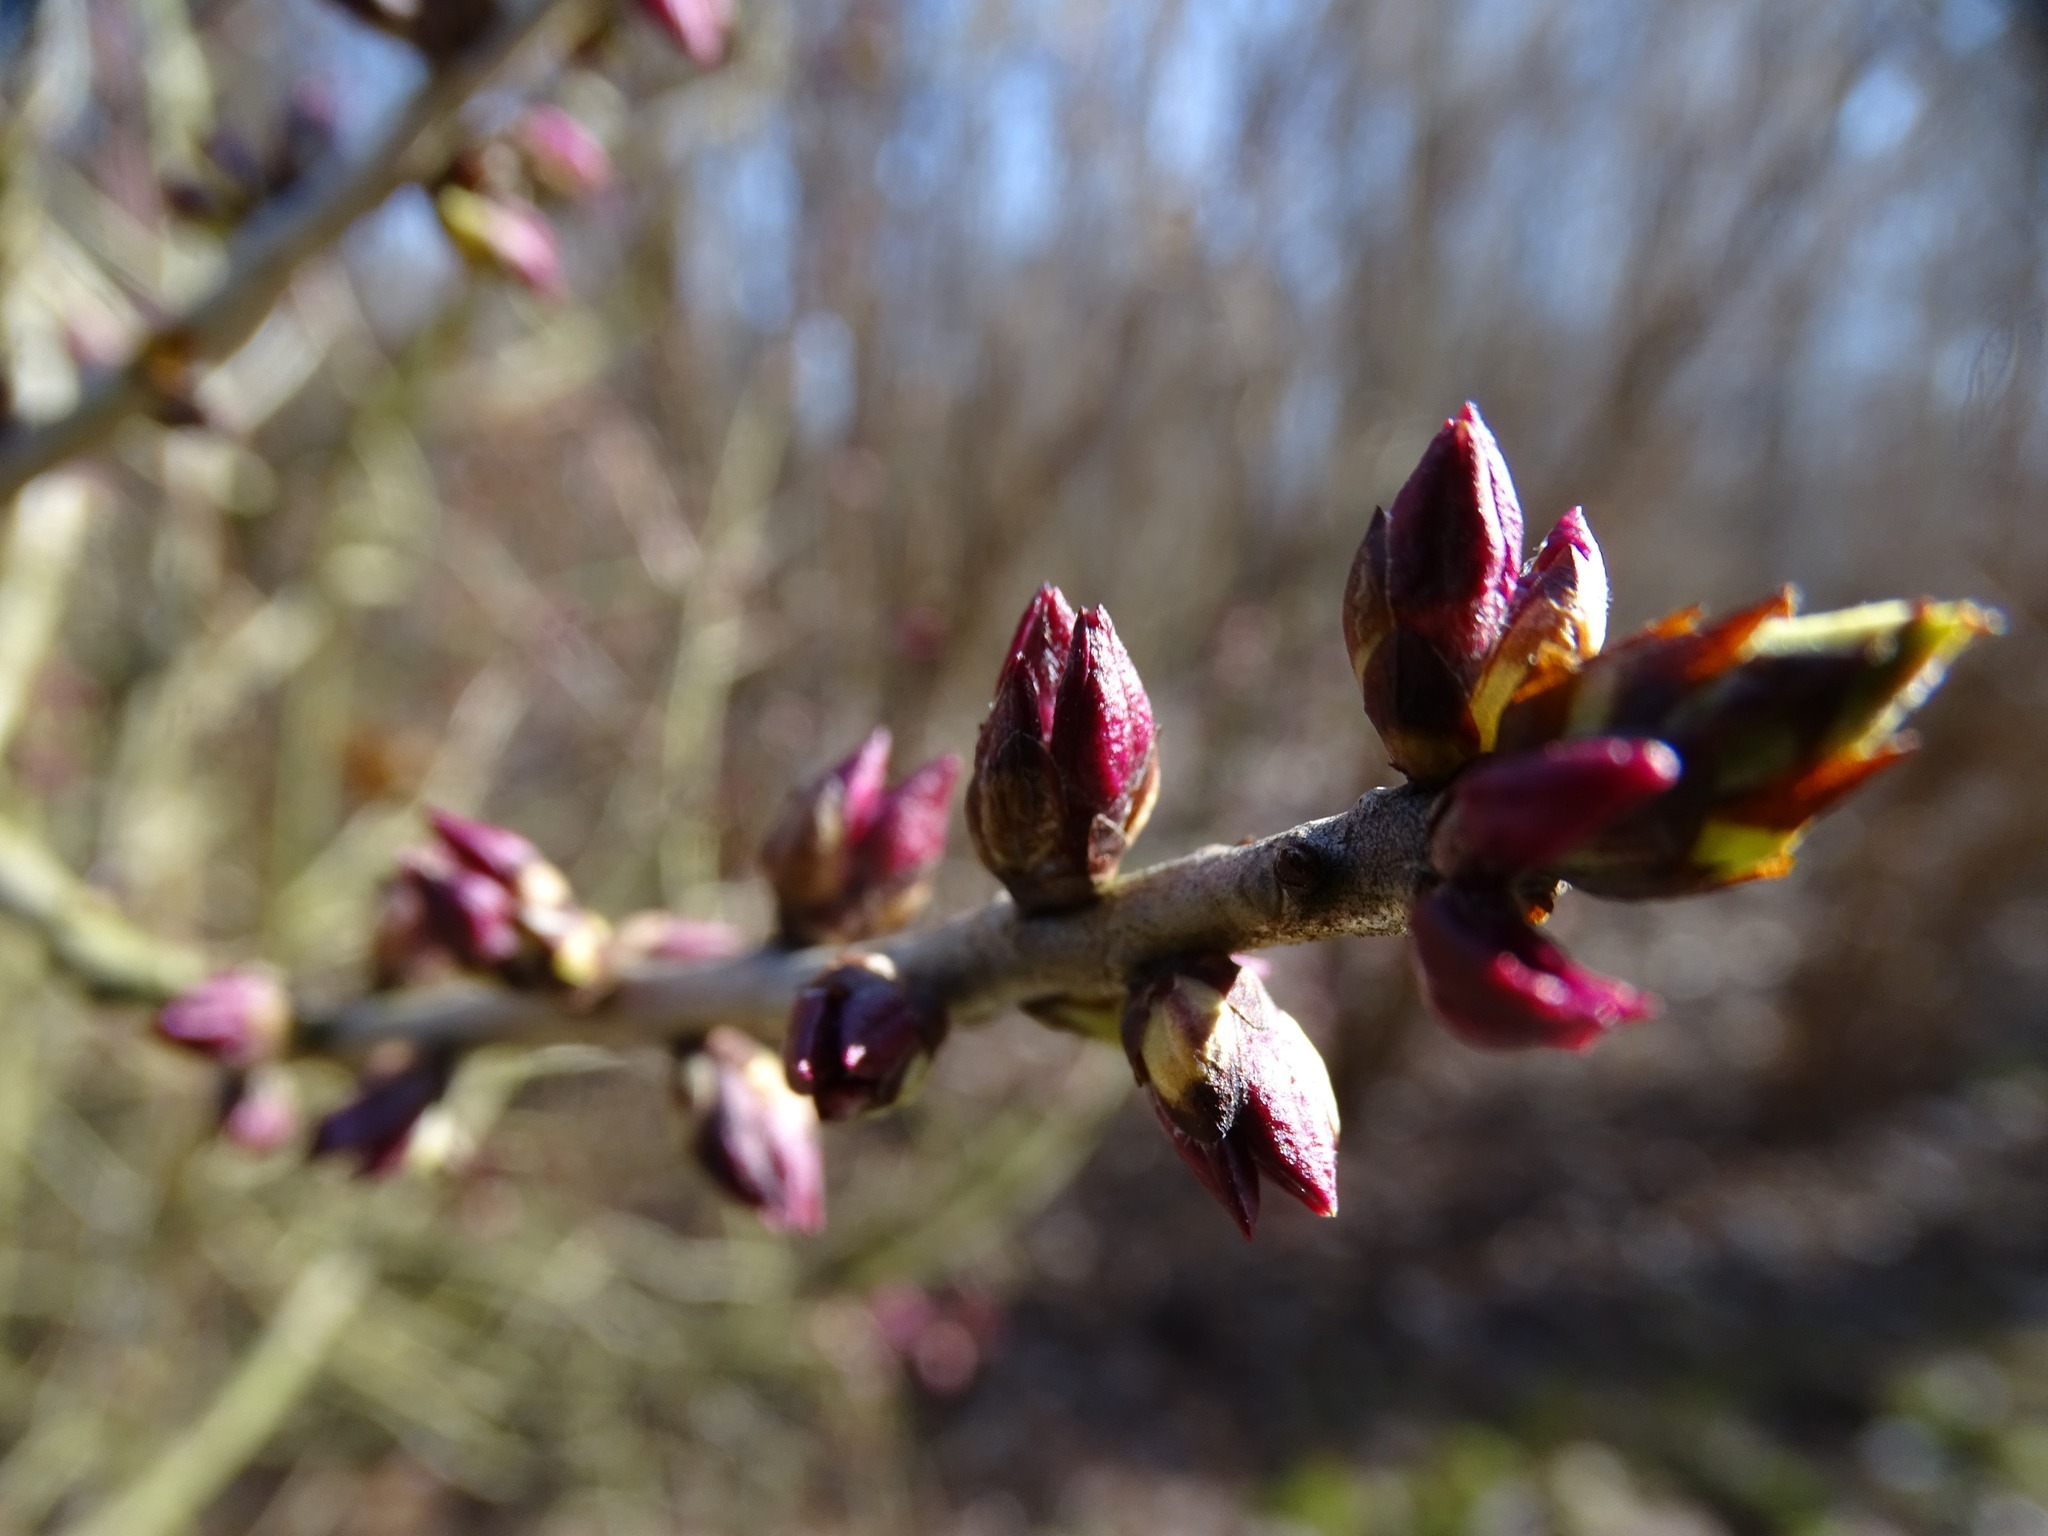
<point>1528,810</point>
<point>562,155</point>
<point>238,1017</point>
<point>504,234</point>
<point>856,1037</point>
<point>848,860</point>
<point>1239,1088</point>
<point>1501,985</point>
<point>1429,594</point>
<point>755,1136</point>
<point>1066,769</point>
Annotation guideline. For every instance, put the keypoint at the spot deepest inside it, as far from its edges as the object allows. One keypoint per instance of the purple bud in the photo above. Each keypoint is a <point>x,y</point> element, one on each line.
<point>1102,743</point>
<point>755,1136</point>
<point>908,835</point>
<point>699,27</point>
<point>1240,1088</point>
<point>473,916</point>
<point>376,1125</point>
<point>1527,810</point>
<point>855,1037</point>
<point>1499,984</point>
<point>238,1017</point>
<point>489,850</point>
<point>260,1111</point>
<point>561,154</point>
<point>1015,809</point>
<point>1037,658</point>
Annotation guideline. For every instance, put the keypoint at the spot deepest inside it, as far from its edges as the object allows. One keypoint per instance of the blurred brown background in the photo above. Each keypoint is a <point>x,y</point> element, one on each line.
<point>911,306</point>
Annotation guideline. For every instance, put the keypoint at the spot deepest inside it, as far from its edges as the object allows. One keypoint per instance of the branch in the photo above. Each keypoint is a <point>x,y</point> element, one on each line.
<point>1350,874</point>
<point>281,238</point>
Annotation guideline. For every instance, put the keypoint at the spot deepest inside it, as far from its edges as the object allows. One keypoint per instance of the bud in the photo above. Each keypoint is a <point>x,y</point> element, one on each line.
<point>1558,619</point>
<point>237,1017</point>
<point>1774,717</point>
<point>848,861</point>
<point>756,1137</point>
<point>699,27</point>
<point>504,856</point>
<point>1238,1086</point>
<point>1527,810</point>
<point>1499,984</point>
<point>667,936</point>
<point>259,1110</point>
<point>504,234</point>
<point>1066,769</point>
<point>561,155</point>
<point>472,916</point>
<point>377,1124</point>
<point>1429,595</point>
<point>856,1037</point>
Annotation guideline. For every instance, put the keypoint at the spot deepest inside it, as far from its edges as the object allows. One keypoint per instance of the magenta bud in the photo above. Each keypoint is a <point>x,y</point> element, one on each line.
<point>1499,984</point>
<point>699,27</point>
<point>1428,596</point>
<point>260,1111</point>
<point>1102,743</point>
<point>908,835</point>
<point>756,1137</point>
<point>376,1125</point>
<point>505,234</point>
<point>489,850</point>
<point>471,915</point>
<point>1527,810</point>
<point>237,1017</point>
<point>1239,1086</point>
<point>561,154</point>
<point>856,1037</point>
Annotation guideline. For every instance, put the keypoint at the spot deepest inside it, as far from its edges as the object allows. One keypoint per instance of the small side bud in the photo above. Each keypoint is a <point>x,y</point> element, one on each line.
<point>755,1136</point>
<point>260,1110</point>
<point>1527,810</point>
<point>667,936</point>
<point>376,1126</point>
<point>1238,1086</point>
<point>893,862</point>
<point>1499,984</point>
<point>504,234</point>
<point>237,1017</point>
<point>856,1038</point>
<point>562,156</point>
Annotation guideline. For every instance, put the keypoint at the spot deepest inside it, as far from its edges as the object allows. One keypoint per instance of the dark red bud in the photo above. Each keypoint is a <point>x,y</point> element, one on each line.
<point>473,916</point>
<point>377,1124</point>
<point>755,1136</point>
<point>855,1036</point>
<point>1527,810</point>
<point>1037,657</point>
<point>489,850</point>
<point>1102,723</point>
<point>237,1017</point>
<point>1454,543</point>
<point>1499,984</point>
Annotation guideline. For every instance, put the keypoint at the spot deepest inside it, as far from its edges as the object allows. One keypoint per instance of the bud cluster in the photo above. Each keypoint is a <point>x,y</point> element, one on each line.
<point>1238,1087</point>
<point>849,859</point>
<point>1066,769</point>
<point>1688,757</point>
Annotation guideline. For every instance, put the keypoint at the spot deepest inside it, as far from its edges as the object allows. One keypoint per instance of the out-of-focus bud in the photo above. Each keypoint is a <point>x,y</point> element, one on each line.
<point>700,27</point>
<point>375,1126</point>
<point>574,946</point>
<point>504,234</point>
<point>1428,596</point>
<point>1238,1086</point>
<point>504,856</point>
<point>667,936</point>
<point>755,1136</point>
<point>561,155</point>
<point>471,915</point>
<point>237,1017</point>
<point>1066,769</point>
<point>1774,717</point>
<point>1501,985</point>
<point>260,1110</point>
<point>848,860</point>
<point>1527,810</point>
<point>1557,620</point>
<point>856,1037</point>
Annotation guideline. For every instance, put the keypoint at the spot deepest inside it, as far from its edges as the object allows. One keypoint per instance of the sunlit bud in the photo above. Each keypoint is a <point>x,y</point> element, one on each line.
<point>1429,594</point>
<point>375,1126</point>
<point>504,856</point>
<point>1239,1087</point>
<point>667,936</point>
<point>260,1110</point>
<point>1557,620</point>
<point>574,947</point>
<point>238,1017</point>
<point>755,1135</point>
<point>562,155</point>
<point>1066,768</point>
<point>856,1037</point>
<point>699,27</point>
<point>471,915</point>
<point>1527,810</point>
<point>504,234</point>
<point>1499,984</point>
<point>1775,718</point>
